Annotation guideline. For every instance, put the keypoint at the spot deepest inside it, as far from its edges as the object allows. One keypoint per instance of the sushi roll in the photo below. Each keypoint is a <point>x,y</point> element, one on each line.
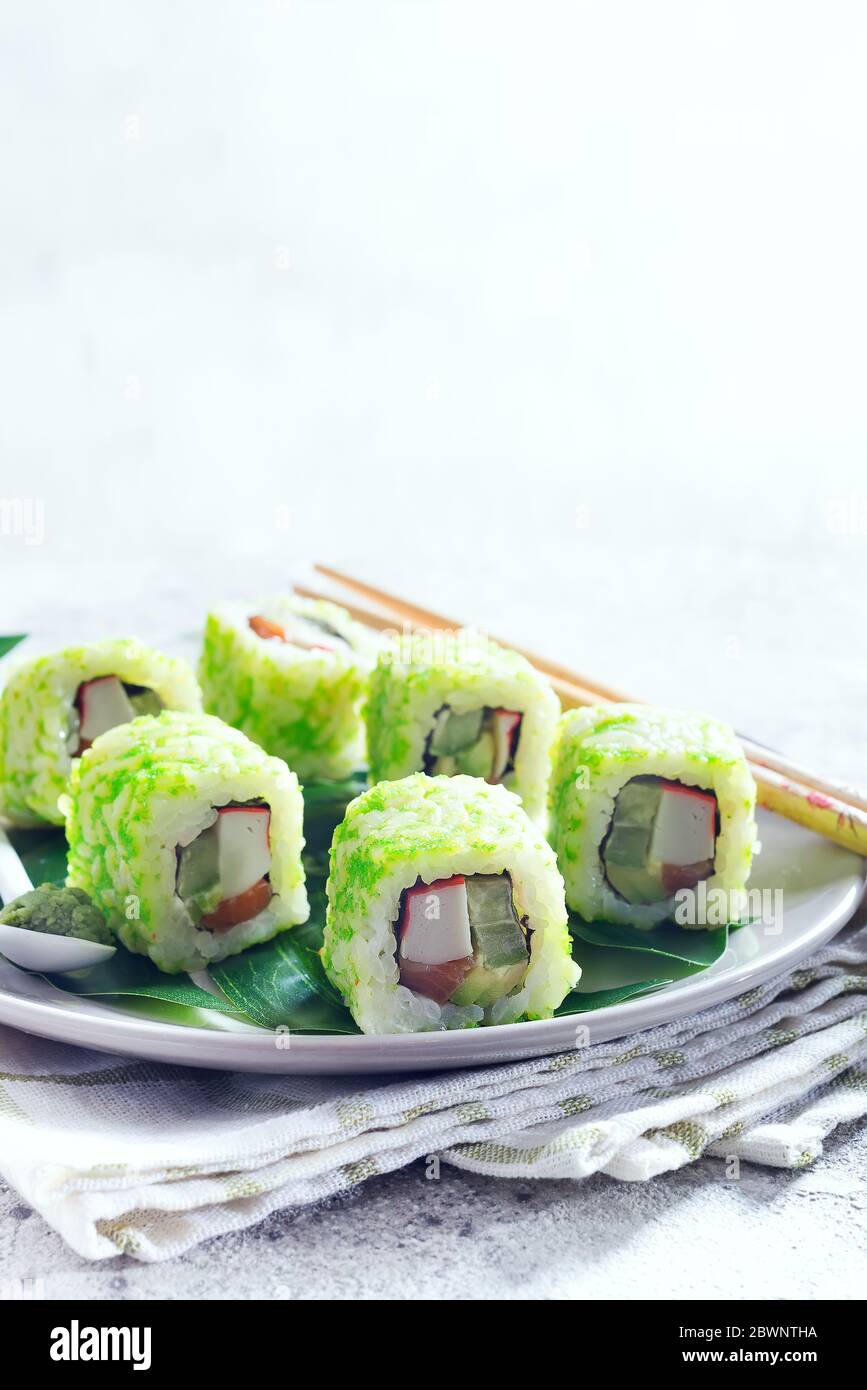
<point>188,838</point>
<point>53,707</point>
<point>291,673</point>
<point>455,702</point>
<point>645,803</point>
<point>445,909</point>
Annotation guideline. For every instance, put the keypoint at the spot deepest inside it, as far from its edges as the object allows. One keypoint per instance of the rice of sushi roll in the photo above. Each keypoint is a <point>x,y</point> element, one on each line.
<point>646,803</point>
<point>446,703</point>
<point>445,909</point>
<point>291,673</point>
<point>188,838</point>
<point>53,707</point>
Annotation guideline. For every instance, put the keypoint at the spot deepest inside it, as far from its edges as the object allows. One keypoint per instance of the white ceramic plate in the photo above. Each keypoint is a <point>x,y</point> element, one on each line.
<point>822,886</point>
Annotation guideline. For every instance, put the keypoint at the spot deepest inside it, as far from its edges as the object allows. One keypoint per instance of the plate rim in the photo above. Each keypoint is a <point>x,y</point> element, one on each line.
<point>177,1045</point>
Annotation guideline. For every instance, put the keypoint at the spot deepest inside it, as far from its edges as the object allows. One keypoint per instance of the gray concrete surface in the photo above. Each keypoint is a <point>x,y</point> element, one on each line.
<point>694,1233</point>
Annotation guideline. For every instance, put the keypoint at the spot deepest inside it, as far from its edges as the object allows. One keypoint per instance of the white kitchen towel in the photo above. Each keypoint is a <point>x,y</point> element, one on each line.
<point>133,1157</point>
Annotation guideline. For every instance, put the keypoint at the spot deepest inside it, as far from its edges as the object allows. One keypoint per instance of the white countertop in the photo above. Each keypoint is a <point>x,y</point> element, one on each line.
<point>555,325</point>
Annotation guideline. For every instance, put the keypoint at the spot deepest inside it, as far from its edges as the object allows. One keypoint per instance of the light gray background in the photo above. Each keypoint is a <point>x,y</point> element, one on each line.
<point>549,315</point>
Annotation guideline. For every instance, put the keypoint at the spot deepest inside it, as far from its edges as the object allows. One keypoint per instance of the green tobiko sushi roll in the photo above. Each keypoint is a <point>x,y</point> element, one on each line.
<point>456,702</point>
<point>647,805</point>
<point>292,674</point>
<point>445,909</point>
<point>53,707</point>
<point>188,838</point>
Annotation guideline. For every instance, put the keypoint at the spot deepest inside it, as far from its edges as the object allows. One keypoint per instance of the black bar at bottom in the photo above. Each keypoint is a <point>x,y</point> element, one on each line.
<point>146,1337</point>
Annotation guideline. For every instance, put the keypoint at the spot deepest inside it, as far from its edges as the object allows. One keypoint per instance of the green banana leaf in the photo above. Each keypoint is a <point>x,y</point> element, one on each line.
<point>696,948</point>
<point>42,852</point>
<point>281,985</point>
<point>578,1003</point>
<point>128,974</point>
<point>7,643</point>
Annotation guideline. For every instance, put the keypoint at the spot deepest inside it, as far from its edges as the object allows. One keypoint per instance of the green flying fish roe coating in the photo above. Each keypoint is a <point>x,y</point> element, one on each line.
<point>418,674</point>
<point>302,705</point>
<point>431,828</point>
<point>601,748</point>
<point>37,712</point>
<point>147,787</point>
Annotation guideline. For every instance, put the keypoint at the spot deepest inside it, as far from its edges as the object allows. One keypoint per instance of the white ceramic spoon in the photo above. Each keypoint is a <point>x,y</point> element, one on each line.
<point>39,950</point>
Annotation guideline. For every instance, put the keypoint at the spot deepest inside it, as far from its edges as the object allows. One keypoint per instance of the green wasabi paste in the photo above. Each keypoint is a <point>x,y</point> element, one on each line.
<point>59,912</point>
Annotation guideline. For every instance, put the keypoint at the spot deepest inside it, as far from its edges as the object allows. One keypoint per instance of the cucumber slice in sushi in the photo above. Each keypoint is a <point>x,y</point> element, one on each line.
<point>646,803</point>
<point>187,837</point>
<point>445,909</point>
<point>459,704</point>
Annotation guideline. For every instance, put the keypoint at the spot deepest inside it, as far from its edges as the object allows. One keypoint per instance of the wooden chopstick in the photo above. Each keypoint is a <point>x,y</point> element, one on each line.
<point>568,683</point>
<point>836,820</point>
<point>833,810</point>
<point>765,758</point>
<point>412,613</point>
<point>361,615</point>
<point>570,694</point>
<point>797,772</point>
